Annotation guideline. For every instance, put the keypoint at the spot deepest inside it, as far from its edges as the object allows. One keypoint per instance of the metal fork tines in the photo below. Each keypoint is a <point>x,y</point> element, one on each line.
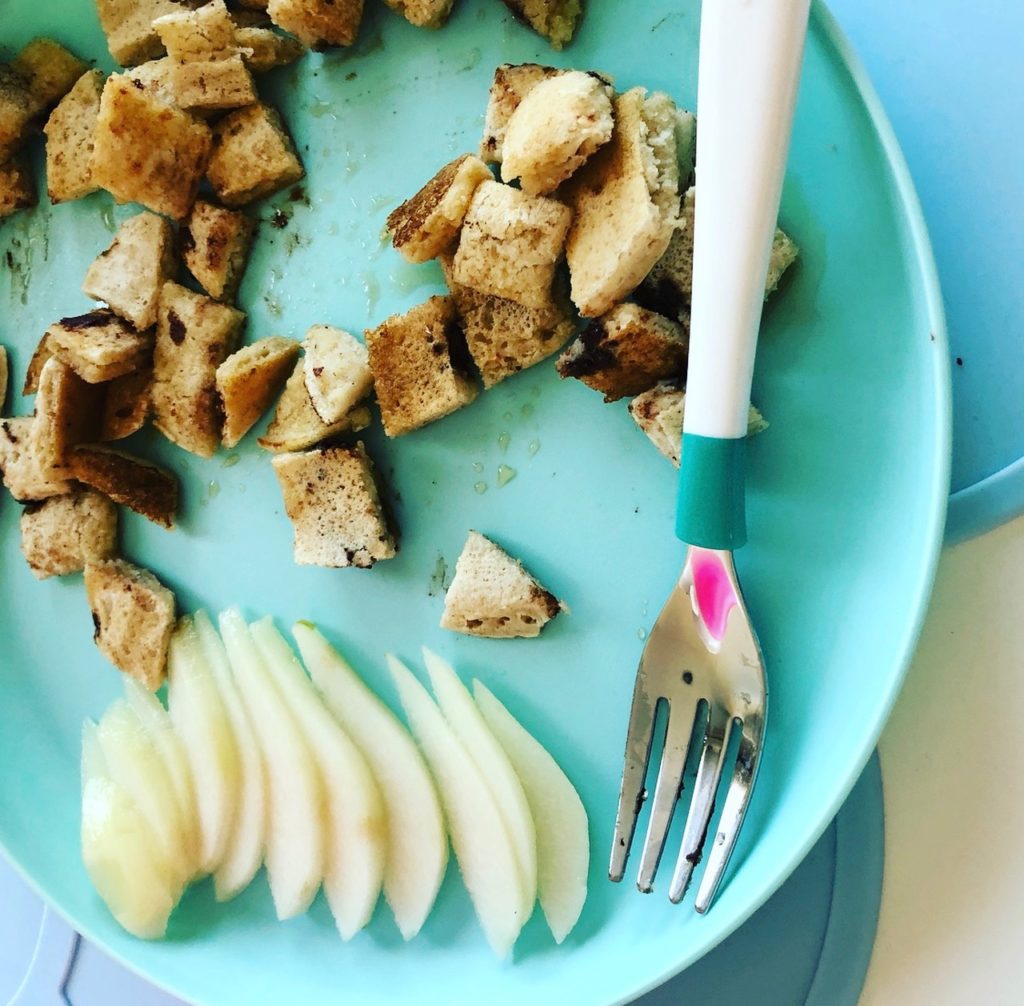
<point>711,678</point>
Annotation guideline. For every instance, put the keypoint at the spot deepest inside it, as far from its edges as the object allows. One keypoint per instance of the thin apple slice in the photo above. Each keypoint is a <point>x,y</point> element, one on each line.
<point>465,719</point>
<point>201,720</point>
<point>563,841</point>
<point>135,765</point>
<point>119,849</point>
<point>296,825</point>
<point>354,860</point>
<point>483,848</point>
<point>244,853</point>
<point>157,723</point>
<point>417,843</point>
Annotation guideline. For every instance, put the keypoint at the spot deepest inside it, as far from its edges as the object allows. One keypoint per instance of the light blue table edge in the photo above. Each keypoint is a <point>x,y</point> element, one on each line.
<point>986,505</point>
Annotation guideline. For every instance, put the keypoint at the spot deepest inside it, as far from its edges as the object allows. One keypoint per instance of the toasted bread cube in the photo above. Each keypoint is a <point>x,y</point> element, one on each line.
<point>213,85</point>
<point>337,371</point>
<point>421,367</point>
<point>667,288</point>
<point>504,337</point>
<point>17,188</point>
<point>296,425</point>
<point>147,151</point>
<point>253,156</point>
<point>70,139</point>
<point>251,14</point>
<point>207,70</point>
<point>130,274</point>
<point>127,403</point>
<point>562,122</point>
<point>556,20</point>
<point>18,108</point>
<point>215,246</point>
<point>332,499</point>
<point>248,380</point>
<point>626,203</point>
<point>137,484</point>
<point>318,24</point>
<point>659,413</point>
<point>625,352</point>
<point>492,595</point>
<point>154,77</point>
<point>512,83</point>
<point>61,534</point>
<point>423,13</point>
<point>428,224</point>
<point>133,613</point>
<point>40,355</point>
<point>194,336</point>
<point>197,35</point>
<point>128,25</point>
<point>264,49</point>
<point>68,412</point>
<point>3,377</point>
<point>511,244</point>
<point>99,346</point>
<point>51,71</point>
<point>24,473</point>
<point>784,253</point>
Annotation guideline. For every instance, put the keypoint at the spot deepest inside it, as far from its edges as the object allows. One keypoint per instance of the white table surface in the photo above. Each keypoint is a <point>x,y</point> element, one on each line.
<point>951,931</point>
<point>953,896</point>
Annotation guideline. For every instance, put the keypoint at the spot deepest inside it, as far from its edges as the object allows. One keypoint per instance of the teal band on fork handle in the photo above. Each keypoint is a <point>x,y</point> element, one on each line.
<point>710,511</point>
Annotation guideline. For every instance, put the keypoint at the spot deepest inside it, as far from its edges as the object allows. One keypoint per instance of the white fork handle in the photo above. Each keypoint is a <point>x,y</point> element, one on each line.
<point>750,56</point>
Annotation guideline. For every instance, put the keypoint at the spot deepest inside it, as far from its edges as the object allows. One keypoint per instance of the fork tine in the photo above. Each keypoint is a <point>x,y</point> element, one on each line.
<point>638,754</point>
<point>743,776</point>
<point>702,806</point>
<point>682,714</point>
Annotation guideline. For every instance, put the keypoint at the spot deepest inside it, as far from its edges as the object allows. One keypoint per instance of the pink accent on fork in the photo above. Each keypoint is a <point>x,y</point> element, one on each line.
<point>712,590</point>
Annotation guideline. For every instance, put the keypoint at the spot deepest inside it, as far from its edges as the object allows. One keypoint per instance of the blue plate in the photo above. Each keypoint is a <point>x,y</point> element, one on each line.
<point>847,499</point>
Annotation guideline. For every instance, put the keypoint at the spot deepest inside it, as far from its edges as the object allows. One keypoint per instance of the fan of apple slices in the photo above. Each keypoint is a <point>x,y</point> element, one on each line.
<point>256,762</point>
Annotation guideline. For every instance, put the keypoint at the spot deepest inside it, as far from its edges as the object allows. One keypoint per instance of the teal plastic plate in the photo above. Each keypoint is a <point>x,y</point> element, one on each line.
<point>847,497</point>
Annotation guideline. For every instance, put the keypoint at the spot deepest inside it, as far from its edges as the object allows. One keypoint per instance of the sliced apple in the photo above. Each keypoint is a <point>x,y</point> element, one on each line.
<point>119,849</point>
<point>483,847</point>
<point>465,719</point>
<point>201,720</point>
<point>356,825</point>
<point>417,843</point>
<point>135,765</point>
<point>563,841</point>
<point>296,826</point>
<point>157,723</point>
<point>244,853</point>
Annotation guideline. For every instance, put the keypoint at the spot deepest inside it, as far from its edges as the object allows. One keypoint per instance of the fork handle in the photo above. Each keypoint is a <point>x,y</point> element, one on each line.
<point>749,70</point>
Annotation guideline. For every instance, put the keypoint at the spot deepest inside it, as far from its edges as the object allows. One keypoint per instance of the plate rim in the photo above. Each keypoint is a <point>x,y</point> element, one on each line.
<point>920,250</point>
